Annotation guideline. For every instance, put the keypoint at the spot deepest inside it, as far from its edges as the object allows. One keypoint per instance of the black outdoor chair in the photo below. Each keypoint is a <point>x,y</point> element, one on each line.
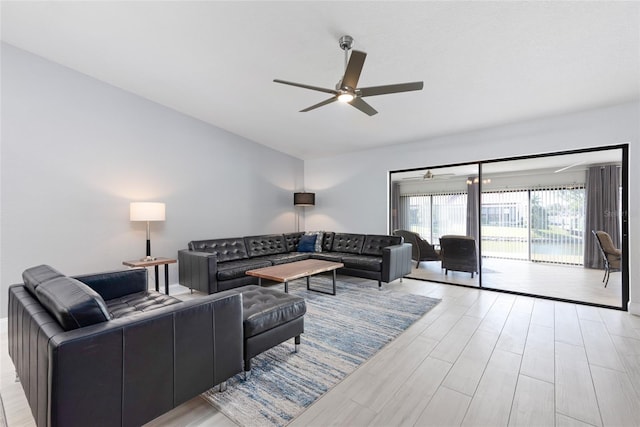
<point>459,253</point>
<point>421,249</point>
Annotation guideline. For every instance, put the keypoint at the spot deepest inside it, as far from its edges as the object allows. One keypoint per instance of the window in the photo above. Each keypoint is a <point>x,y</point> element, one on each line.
<point>543,224</point>
<point>433,215</point>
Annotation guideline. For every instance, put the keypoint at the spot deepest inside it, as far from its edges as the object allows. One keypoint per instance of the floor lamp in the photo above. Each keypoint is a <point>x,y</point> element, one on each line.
<point>147,211</point>
<point>302,200</point>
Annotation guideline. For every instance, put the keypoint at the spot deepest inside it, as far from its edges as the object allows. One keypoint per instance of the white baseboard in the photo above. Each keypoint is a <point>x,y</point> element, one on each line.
<point>177,289</point>
<point>634,308</point>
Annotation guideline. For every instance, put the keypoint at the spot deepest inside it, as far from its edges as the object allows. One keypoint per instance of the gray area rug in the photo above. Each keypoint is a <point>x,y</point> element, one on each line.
<point>341,332</point>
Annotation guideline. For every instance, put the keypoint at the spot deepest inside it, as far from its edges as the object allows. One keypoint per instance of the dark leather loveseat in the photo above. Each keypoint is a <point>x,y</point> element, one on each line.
<point>102,350</point>
<point>219,264</point>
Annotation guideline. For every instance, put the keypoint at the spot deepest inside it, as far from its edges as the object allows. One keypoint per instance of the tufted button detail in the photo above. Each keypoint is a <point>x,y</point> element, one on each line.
<point>266,245</point>
<point>348,243</point>
<point>138,302</point>
<point>265,308</point>
<point>373,245</point>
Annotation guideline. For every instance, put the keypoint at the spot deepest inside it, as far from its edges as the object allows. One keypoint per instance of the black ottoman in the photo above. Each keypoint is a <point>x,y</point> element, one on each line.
<point>270,318</point>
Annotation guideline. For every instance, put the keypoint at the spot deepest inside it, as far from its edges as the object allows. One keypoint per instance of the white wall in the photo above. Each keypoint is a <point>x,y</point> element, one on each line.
<point>352,190</point>
<point>76,151</point>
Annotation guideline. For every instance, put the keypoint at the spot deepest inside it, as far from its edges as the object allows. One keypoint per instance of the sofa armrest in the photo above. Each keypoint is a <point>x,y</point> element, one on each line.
<point>198,270</point>
<point>116,284</point>
<point>396,262</point>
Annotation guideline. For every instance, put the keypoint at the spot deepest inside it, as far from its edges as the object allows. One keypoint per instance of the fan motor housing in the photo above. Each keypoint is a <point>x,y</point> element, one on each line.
<point>346,42</point>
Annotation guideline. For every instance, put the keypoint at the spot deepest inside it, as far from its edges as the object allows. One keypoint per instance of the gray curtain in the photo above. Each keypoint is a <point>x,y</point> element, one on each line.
<point>473,206</point>
<point>395,206</point>
<point>602,189</point>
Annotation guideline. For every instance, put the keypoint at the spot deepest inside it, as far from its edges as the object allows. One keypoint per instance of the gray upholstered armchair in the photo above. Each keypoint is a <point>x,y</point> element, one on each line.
<point>611,255</point>
<point>421,249</point>
<point>459,253</point>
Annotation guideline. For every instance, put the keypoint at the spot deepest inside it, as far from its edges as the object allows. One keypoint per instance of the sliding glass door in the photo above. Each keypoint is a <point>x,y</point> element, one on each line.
<point>435,203</point>
<point>532,220</point>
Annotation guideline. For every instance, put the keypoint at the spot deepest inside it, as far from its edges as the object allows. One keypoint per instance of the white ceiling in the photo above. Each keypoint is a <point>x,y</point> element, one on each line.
<point>482,63</point>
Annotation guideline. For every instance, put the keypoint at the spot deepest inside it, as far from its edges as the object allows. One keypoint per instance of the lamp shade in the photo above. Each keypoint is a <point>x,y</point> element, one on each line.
<point>304,199</point>
<point>146,211</point>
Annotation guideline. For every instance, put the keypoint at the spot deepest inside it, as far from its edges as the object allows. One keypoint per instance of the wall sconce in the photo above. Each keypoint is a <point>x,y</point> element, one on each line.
<point>147,211</point>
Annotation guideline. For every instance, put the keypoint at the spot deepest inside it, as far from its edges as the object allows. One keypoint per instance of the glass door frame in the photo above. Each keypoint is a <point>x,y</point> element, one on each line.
<point>624,219</point>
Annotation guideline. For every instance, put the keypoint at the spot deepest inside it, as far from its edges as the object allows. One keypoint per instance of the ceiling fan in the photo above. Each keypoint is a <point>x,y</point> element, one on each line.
<point>347,89</point>
<point>428,176</point>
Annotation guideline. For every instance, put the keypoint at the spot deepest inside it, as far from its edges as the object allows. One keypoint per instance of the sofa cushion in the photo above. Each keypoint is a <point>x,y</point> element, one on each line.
<point>348,243</point>
<point>138,302</point>
<point>362,262</point>
<point>265,308</point>
<point>291,240</point>
<point>373,243</point>
<point>288,257</point>
<point>34,276</point>
<point>327,240</point>
<point>328,256</point>
<point>72,303</point>
<point>307,243</point>
<point>114,284</point>
<point>234,269</point>
<point>224,249</point>
<point>269,244</point>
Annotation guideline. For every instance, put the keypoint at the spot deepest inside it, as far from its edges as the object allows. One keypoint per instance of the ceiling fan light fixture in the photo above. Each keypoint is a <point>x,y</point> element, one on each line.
<point>345,97</point>
<point>347,90</point>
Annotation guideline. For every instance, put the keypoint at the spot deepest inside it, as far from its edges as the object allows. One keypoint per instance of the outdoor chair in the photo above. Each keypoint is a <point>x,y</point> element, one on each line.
<point>459,253</point>
<point>610,254</point>
<point>421,250</point>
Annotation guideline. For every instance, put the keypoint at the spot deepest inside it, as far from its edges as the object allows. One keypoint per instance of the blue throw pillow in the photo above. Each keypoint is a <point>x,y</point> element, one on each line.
<point>319,237</point>
<point>307,243</point>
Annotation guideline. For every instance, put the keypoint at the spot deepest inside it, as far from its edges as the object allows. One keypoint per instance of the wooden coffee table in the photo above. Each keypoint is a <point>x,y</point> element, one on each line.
<point>284,273</point>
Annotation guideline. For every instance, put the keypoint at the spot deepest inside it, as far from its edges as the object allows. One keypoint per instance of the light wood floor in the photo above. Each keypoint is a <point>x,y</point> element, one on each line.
<point>567,282</point>
<point>479,358</point>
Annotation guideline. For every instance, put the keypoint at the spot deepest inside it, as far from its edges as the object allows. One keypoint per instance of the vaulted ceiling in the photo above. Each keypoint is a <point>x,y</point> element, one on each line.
<point>483,63</point>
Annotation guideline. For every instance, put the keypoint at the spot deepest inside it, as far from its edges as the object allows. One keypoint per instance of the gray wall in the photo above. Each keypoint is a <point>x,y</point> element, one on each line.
<point>352,189</point>
<point>76,151</point>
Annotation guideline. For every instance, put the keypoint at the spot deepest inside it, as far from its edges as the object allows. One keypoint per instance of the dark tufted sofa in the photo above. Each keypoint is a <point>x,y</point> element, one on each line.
<point>102,350</point>
<point>220,264</point>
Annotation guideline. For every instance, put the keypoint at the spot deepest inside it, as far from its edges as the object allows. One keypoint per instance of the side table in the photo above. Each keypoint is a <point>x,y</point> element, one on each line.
<point>154,263</point>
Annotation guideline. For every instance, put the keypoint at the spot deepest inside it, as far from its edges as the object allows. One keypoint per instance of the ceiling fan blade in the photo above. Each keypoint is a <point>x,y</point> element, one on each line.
<point>385,89</point>
<point>363,106</point>
<point>320,104</point>
<point>354,68</point>
<point>320,89</point>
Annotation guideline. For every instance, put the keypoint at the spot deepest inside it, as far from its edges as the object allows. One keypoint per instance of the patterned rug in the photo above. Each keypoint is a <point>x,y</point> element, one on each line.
<point>341,332</point>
